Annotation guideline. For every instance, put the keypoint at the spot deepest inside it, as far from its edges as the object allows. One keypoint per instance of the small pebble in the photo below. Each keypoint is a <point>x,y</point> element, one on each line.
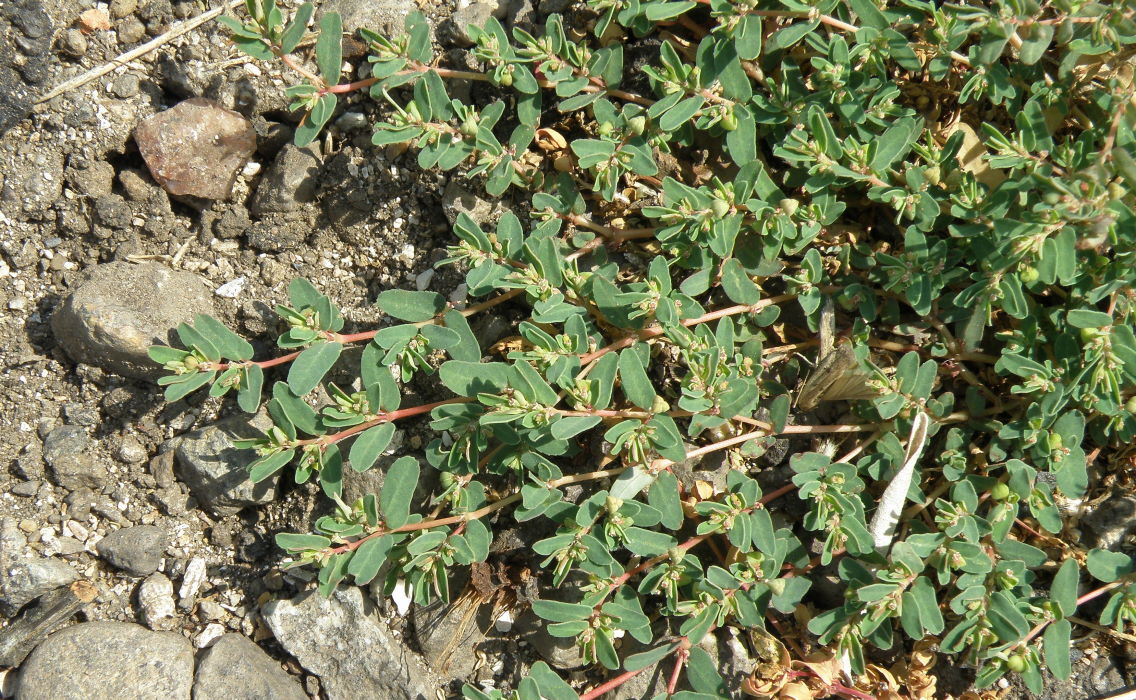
<point>131,451</point>
<point>74,43</point>
<point>131,31</point>
<point>28,526</point>
<point>26,489</point>
<point>125,86</point>
<point>17,304</point>
<point>122,8</point>
<point>209,635</point>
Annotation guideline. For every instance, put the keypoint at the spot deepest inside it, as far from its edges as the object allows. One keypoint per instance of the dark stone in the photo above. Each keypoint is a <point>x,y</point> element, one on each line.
<point>136,550</point>
<point>216,471</point>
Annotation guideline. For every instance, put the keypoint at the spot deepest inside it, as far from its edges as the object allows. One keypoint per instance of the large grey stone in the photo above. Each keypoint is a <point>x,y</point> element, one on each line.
<point>121,309</point>
<point>383,16</point>
<point>109,661</point>
<point>23,579</point>
<point>235,668</point>
<point>136,550</point>
<point>216,471</point>
<point>367,663</point>
<point>290,182</point>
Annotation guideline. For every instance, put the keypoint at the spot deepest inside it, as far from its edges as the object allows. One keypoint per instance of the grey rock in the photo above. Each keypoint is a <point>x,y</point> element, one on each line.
<point>24,579</point>
<point>73,43</point>
<point>196,148</point>
<point>368,663</point>
<point>136,550</point>
<point>475,13</point>
<point>26,489</point>
<point>130,451</point>
<point>50,612</point>
<point>235,668</point>
<point>1112,521</point>
<point>15,99</point>
<point>67,451</point>
<point>383,16</point>
<point>90,178</point>
<point>215,470</point>
<point>122,8</point>
<point>232,223</point>
<point>112,211</point>
<point>290,182</point>
<point>131,30</point>
<point>113,317</point>
<point>125,86</point>
<point>109,661</point>
<point>456,199</point>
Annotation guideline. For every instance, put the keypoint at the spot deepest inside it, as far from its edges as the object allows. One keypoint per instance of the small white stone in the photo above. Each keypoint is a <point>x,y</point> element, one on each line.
<point>156,599</point>
<point>209,635</point>
<point>504,622</point>
<point>401,596</point>
<point>423,280</point>
<point>251,169</point>
<point>233,288</point>
<point>252,69</point>
<point>191,581</point>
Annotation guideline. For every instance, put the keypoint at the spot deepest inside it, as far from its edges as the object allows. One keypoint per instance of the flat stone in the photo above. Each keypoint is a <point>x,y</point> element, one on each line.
<point>216,471</point>
<point>290,182</point>
<point>109,661</point>
<point>235,668</point>
<point>136,550</point>
<point>196,148</point>
<point>23,579</point>
<point>457,199</point>
<point>387,17</point>
<point>368,663</point>
<point>112,318</point>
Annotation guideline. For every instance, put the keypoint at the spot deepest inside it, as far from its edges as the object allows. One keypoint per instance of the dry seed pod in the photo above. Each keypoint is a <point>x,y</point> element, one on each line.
<point>550,140</point>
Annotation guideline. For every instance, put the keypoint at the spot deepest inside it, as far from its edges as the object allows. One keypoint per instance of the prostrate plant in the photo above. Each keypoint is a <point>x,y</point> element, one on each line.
<point>957,180</point>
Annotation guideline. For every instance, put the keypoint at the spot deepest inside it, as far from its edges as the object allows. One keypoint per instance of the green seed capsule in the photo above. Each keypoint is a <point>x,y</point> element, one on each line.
<point>1028,274</point>
<point>1000,492</point>
<point>789,206</point>
<point>729,122</point>
<point>720,208</point>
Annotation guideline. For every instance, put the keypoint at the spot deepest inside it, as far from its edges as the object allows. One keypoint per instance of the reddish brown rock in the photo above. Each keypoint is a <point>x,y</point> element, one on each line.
<point>196,148</point>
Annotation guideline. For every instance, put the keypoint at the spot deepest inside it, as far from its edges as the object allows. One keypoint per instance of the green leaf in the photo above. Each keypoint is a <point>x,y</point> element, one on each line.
<point>1087,318</point>
<point>329,48</point>
<point>308,370</point>
<point>663,496</point>
<point>369,558</point>
<point>193,338</point>
<point>1063,592</point>
<point>557,611</point>
<point>331,472</point>
<point>192,382</point>
<point>473,378</point>
<point>398,489</point>
<point>894,143</point>
<point>411,306</point>
<point>369,445</point>
<point>702,673</point>
<point>1056,645</point>
<point>551,685</point>
<point>294,32</point>
<point>229,344</point>
<point>737,285</point>
<point>1108,566</point>
<point>467,348</point>
<point>633,378</point>
<point>252,383</point>
<point>649,657</point>
<point>269,464</point>
<point>681,113</point>
<point>294,542</point>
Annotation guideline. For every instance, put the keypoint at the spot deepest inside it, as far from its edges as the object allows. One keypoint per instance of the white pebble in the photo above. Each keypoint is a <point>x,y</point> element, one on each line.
<point>156,599</point>
<point>423,280</point>
<point>401,596</point>
<point>192,580</point>
<point>504,622</point>
<point>251,169</point>
<point>232,288</point>
<point>209,635</point>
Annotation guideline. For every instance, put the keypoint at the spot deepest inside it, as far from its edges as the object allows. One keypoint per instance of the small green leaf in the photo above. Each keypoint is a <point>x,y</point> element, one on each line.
<point>369,445</point>
<point>411,306</point>
<point>268,465</point>
<point>329,48</point>
<point>294,32</point>
<point>473,378</point>
<point>633,378</point>
<point>1056,645</point>
<point>294,542</point>
<point>369,558</point>
<point>1064,589</point>
<point>398,489</point>
<point>1108,566</point>
<point>308,370</point>
<point>557,611</point>
<point>737,285</point>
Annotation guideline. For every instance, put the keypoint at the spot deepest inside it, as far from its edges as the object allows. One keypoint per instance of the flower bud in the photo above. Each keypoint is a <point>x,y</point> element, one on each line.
<point>789,206</point>
<point>637,125</point>
<point>1028,274</point>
